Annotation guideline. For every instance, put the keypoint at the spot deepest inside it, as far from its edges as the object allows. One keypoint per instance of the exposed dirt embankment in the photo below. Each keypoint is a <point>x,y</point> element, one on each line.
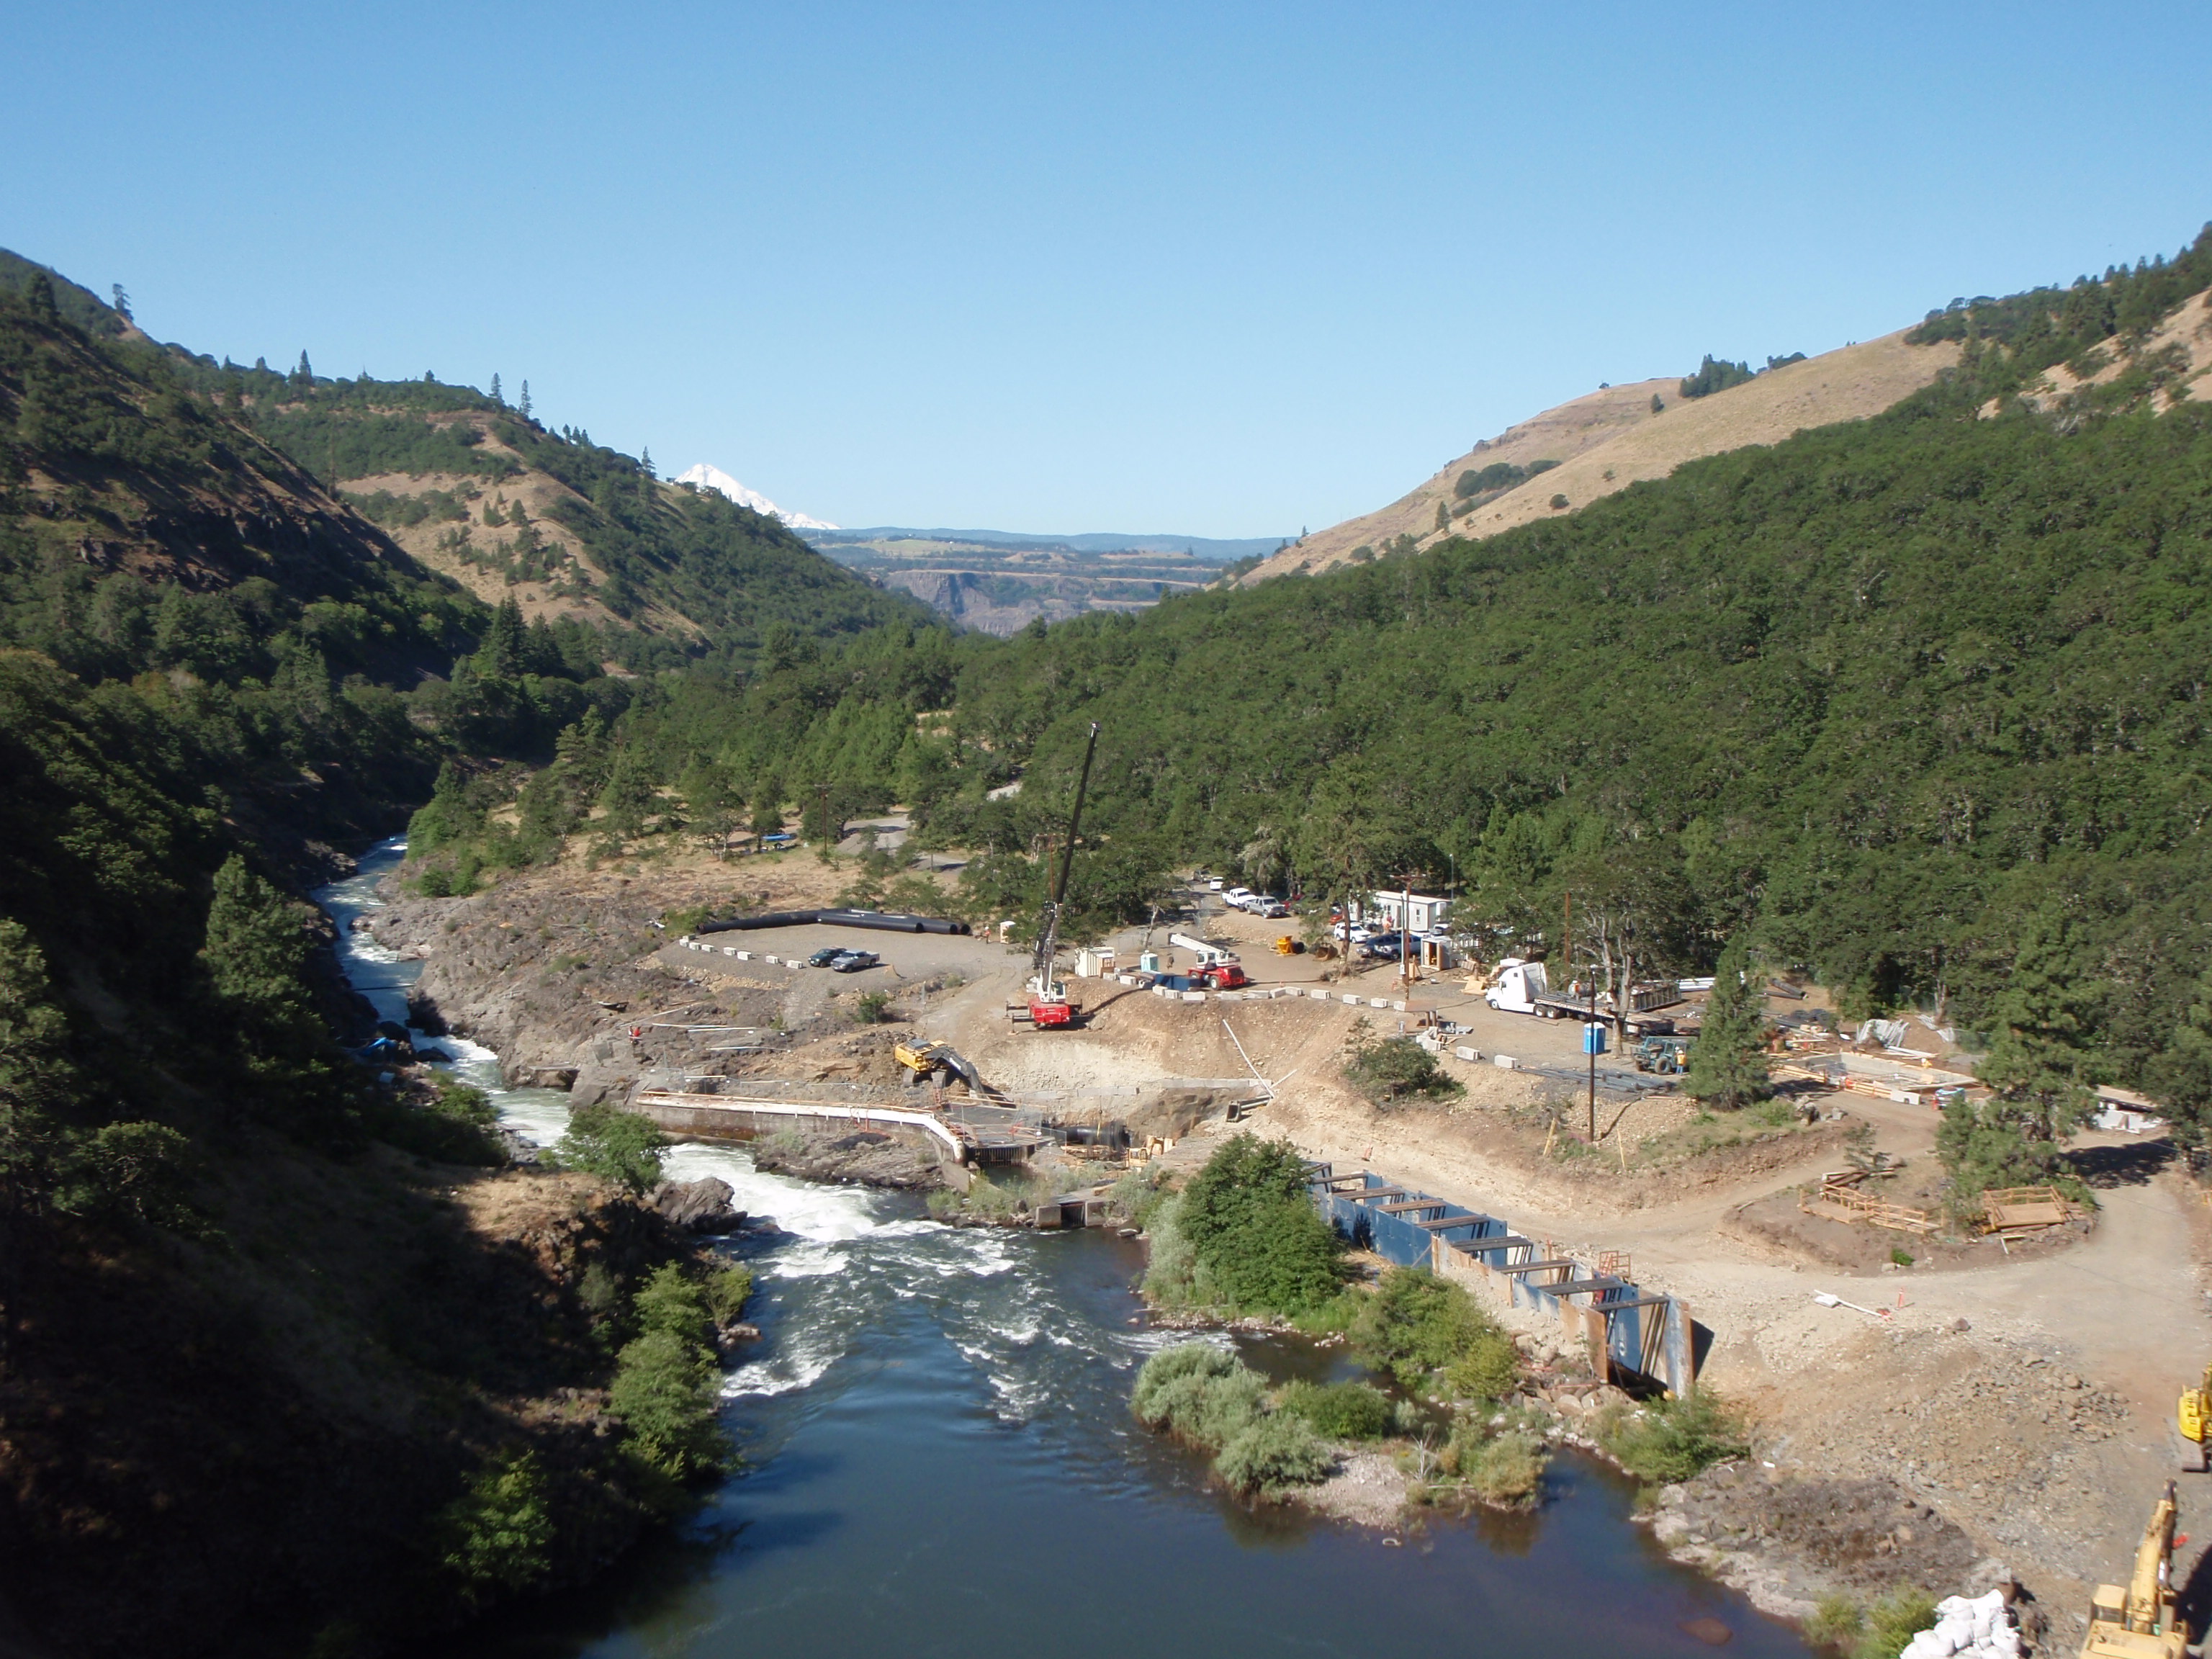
<point>555,968</point>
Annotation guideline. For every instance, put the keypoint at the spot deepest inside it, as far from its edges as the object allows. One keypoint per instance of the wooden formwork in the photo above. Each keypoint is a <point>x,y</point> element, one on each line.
<point>1839,1192</point>
<point>2013,1211</point>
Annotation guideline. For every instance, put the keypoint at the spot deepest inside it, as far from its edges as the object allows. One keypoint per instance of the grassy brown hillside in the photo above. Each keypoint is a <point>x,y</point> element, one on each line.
<point>2174,359</point>
<point>1612,437</point>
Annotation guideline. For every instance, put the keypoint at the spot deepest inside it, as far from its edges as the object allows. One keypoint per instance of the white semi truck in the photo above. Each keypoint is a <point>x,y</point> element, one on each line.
<point>1521,986</point>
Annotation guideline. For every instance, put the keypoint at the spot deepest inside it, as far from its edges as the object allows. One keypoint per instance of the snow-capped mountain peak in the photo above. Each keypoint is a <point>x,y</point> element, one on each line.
<point>713,477</point>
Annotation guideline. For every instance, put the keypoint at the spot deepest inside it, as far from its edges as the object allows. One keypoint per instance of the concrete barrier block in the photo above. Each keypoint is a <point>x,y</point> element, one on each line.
<point>730,950</point>
<point>1466,1053</point>
<point>1352,999</point>
<point>768,959</point>
<point>1399,1003</point>
<point>1380,1002</point>
<point>1194,996</point>
<point>1504,1062</point>
<point>745,956</point>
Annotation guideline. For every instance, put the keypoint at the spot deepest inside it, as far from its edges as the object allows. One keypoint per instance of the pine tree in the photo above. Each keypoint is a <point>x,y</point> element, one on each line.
<point>34,1077</point>
<point>2038,1054</point>
<point>1727,1064</point>
<point>305,374</point>
<point>505,642</point>
<point>256,949</point>
<point>524,405</point>
<point>122,302</point>
<point>2181,1076</point>
<point>39,294</point>
<point>1443,515</point>
<point>495,396</point>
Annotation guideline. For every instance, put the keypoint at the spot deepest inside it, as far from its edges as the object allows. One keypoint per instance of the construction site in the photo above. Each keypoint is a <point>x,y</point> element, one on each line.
<point>2008,1372</point>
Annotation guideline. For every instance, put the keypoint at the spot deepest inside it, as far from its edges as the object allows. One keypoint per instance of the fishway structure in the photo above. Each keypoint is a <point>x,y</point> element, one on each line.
<point>1630,1334</point>
<point>961,1139</point>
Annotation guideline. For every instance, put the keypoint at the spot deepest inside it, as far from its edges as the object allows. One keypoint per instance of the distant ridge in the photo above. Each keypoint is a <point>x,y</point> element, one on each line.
<point>1207,549</point>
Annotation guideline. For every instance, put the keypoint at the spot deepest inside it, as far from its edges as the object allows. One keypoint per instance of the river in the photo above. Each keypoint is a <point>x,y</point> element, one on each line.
<point>940,1461</point>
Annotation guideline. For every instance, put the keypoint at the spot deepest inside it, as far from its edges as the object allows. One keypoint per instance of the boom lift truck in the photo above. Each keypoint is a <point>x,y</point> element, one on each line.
<point>1048,1005</point>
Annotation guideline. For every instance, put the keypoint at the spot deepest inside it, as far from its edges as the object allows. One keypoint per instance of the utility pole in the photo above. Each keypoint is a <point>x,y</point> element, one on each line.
<point>1589,1043</point>
<point>1404,935</point>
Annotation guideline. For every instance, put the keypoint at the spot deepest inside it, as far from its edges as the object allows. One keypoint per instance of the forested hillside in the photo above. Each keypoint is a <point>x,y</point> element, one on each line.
<point>251,1358</point>
<point>569,529</point>
<point>1915,703</point>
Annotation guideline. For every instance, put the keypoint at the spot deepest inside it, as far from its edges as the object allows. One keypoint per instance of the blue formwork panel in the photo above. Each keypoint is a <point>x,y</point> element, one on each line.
<point>1399,1240</point>
<point>1395,1239</point>
<point>1624,1336</point>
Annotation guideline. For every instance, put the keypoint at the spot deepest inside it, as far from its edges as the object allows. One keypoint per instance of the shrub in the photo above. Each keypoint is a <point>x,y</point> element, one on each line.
<point>137,1172</point>
<point>666,1392</point>
<point>1505,1469</point>
<point>687,919</point>
<point>1198,1394</point>
<point>498,1535</point>
<point>668,1302</point>
<point>599,1292</point>
<point>1669,1440</point>
<point>1271,1453</point>
<point>1416,1323</point>
<point>1253,1227</point>
<point>1339,1411</point>
<point>1489,1368</point>
<point>1333,1317</point>
<point>1400,1066</point>
<point>872,1007</point>
<point>729,1287</point>
<point>1837,1622</point>
<point>1893,1622</point>
<point>623,1147</point>
<point>1139,1194</point>
<point>1174,1275</point>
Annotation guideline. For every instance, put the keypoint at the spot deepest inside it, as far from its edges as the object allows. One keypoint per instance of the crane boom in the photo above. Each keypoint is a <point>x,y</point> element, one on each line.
<point>1048,935</point>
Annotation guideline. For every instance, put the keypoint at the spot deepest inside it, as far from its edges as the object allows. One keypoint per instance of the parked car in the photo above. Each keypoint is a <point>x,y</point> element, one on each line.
<point>1213,883</point>
<point>1223,977</point>
<point>1273,909</point>
<point>1238,897</point>
<point>825,956</point>
<point>1382,945</point>
<point>1356,934</point>
<point>852,961</point>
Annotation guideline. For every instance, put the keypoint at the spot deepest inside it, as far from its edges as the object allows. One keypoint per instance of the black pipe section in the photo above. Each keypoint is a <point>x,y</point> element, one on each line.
<point>883,920</point>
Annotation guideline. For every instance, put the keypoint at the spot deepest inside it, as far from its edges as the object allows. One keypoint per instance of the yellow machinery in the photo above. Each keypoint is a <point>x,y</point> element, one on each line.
<point>1286,946</point>
<point>919,1057</point>
<point>939,1060</point>
<point>2143,1621</point>
<point>2195,1417</point>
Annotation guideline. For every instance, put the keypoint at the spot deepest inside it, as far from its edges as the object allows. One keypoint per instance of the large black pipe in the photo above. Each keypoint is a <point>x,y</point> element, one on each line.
<point>885,920</point>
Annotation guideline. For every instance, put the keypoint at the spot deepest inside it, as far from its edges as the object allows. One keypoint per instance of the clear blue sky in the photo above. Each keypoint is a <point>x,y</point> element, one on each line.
<point>1219,269</point>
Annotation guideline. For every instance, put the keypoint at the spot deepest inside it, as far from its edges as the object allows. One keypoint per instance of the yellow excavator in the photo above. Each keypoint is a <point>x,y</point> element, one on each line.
<point>2194,1417</point>
<point>923,1060</point>
<point>2143,1621</point>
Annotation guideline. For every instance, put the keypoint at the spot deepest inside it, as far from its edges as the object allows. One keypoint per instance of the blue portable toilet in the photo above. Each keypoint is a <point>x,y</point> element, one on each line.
<point>1593,1039</point>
